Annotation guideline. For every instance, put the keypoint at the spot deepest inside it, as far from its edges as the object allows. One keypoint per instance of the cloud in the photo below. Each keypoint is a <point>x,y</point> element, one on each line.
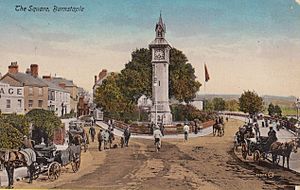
<point>297,1</point>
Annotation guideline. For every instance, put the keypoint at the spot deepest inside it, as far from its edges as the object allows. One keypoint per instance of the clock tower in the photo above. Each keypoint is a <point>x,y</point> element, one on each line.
<point>160,49</point>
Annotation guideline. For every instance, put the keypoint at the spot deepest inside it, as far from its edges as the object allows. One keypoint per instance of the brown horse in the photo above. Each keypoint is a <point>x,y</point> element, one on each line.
<point>12,159</point>
<point>284,150</point>
<point>218,129</point>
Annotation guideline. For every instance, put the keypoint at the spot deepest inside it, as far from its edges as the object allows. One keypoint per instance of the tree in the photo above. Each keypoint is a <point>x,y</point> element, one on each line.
<point>183,84</point>
<point>10,137</point>
<point>219,104</point>
<point>271,109</point>
<point>19,122</point>
<point>111,99</point>
<point>250,102</point>
<point>277,110</point>
<point>44,120</point>
<point>232,105</point>
<point>136,78</point>
<point>208,105</point>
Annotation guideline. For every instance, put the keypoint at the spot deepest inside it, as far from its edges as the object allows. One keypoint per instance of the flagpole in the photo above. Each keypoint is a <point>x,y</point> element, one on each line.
<point>204,95</point>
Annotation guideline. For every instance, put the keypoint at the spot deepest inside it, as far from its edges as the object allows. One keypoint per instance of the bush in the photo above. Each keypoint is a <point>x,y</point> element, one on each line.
<point>10,137</point>
<point>20,122</point>
<point>44,120</point>
<point>188,112</point>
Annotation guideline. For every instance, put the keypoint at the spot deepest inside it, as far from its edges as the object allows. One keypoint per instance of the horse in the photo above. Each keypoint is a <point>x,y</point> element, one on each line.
<point>218,129</point>
<point>284,150</point>
<point>12,159</point>
<point>79,139</point>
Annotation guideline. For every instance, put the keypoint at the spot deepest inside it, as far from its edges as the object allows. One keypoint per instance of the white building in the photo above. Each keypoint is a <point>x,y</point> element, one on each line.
<point>144,102</point>
<point>11,99</point>
<point>58,99</point>
<point>198,104</point>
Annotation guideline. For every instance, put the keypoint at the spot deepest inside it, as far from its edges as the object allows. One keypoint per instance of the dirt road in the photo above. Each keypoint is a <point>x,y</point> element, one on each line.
<point>201,163</point>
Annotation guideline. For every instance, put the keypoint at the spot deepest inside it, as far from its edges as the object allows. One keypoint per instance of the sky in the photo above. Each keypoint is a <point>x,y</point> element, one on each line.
<point>246,44</point>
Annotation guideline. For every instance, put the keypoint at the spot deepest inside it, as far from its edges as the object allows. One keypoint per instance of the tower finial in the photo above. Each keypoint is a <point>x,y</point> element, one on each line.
<point>160,18</point>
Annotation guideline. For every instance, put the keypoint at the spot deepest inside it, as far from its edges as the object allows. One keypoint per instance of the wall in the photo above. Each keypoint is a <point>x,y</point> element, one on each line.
<point>14,94</point>
<point>35,97</point>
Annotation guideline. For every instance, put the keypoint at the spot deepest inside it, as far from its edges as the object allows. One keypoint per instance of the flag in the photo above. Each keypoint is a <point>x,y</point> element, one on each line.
<point>206,73</point>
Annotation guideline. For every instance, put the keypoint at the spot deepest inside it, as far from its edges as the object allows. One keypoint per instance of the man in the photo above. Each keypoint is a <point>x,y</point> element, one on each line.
<point>126,135</point>
<point>100,139</point>
<point>92,132</point>
<point>162,129</point>
<point>106,138</point>
<point>27,143</point>
<point>256,128</point>
<point>111,137</point>
<point>271,136</point>
<point>186,130</point>
<point>27,149</point>
<point>157,136</point>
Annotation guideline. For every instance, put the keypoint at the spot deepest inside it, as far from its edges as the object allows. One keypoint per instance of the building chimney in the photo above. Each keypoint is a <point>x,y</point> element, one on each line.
<point>102,74</point>
<point>62,85</point>
<point>95,79</point>
<point>47,77</point>
<point>13,68</point>
<point>34,69</point>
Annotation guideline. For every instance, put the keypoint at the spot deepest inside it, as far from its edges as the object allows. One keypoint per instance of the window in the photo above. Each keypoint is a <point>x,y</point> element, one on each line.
<point>40,103</point>
<point>30,103</point>
<point>8,104</point>
<point>40,91</point>
<point>19,103</point>
<point>30,91</point>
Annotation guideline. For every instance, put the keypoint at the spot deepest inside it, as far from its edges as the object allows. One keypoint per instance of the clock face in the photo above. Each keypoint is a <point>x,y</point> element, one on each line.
<point>159,54</point>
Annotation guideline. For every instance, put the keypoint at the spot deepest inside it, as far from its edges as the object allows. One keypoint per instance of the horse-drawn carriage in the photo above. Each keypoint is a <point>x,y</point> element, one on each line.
<point>50,160</point>
<point>261,147</point>
<point>41,159</point>
<point>77,135</point>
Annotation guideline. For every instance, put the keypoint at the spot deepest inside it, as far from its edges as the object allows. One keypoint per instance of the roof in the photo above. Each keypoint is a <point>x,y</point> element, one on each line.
<point>159,41</point>
<point>53,86</point>
<point>59,80</point>
<point>26,79</point>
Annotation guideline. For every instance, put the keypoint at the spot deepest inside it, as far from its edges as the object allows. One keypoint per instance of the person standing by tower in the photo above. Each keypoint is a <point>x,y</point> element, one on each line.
<point>186,130</point>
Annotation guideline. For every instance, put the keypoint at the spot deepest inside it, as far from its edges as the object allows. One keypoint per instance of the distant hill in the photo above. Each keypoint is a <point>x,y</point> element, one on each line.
<point>283,101</point>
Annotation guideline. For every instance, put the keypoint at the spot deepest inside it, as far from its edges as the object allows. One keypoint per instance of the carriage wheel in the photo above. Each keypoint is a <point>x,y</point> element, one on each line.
<point>236,146</point>
<point>76,163</point>
<point>54,171</point>
<point>277,160</point>
<point>264,156</point>
<point>37,171</point>
<point>256,156</point>
<point>244,151</point>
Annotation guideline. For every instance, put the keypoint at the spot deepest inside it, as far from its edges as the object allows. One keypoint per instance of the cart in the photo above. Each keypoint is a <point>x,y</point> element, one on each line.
<point>49,160</point>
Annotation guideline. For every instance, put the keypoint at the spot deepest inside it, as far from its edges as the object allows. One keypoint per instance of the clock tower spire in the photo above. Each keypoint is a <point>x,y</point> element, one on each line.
<point>160,49</point>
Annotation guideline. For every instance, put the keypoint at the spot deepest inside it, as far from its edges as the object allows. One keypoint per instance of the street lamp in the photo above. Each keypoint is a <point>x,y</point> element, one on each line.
<point>155,98</point>
<point>298,107</point>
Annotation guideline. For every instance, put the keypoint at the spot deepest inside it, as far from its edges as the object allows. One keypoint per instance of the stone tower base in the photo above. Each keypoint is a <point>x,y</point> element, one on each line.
<point>164,118</point>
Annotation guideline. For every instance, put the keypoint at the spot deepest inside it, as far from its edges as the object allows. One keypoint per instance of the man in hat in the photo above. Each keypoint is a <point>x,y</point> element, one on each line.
<point>186,130</point>
<point>27,142</point>
<point>157,136</point>
<point>100,139</point>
